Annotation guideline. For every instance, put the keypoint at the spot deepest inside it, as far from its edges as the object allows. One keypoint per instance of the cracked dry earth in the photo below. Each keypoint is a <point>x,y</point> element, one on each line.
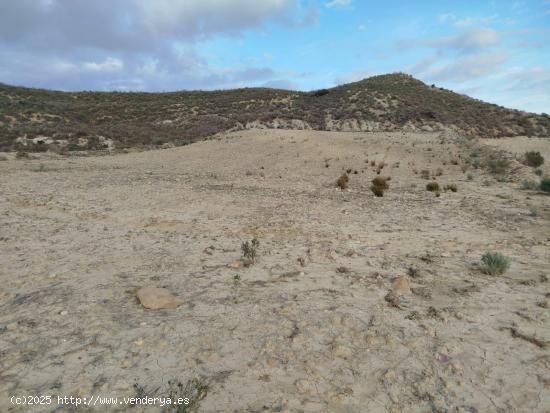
<point>309,327</point>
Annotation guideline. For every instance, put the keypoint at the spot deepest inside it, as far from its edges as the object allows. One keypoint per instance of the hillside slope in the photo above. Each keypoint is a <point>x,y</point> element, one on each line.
<point>380,103</point>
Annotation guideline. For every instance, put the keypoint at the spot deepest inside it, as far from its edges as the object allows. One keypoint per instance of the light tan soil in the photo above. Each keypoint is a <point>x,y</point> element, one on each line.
<point>309,327</point>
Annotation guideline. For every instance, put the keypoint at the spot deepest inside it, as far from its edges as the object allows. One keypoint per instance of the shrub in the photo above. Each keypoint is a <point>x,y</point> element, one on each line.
<point>538,172</point>
<point>439,172</point>
<point>195,390</point>
<point>250,249</point>
<point>433,187</point>
<point>425,174</point>
<point>498,166</point>
<point>545,184</point>
<point>494,263</point>
<point>343,182</point>
<point>381,182</point>
<point>320,92</point>
<point>533,159</point>
<point>377,191</point>
<point>21,155</point>
<point>529,185</point>
<point>379,185</point>
<point>470,177</point>
<point>451,187</point>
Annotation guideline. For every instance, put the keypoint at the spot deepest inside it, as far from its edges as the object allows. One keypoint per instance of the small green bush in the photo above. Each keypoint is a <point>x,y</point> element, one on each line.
<point>495,263</point>
<point>545,184</point>
<point>538,172</point>
<point>533,159</point>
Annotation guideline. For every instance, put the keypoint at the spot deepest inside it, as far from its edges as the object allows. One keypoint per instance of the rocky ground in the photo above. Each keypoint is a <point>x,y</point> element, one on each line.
<point>318,323</point>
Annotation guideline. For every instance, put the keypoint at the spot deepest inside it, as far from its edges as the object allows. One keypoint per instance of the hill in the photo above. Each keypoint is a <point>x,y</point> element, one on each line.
<point>39,118</point>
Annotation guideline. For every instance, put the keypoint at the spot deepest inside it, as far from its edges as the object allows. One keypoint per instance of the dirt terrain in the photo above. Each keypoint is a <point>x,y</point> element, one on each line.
<point>316,324</point>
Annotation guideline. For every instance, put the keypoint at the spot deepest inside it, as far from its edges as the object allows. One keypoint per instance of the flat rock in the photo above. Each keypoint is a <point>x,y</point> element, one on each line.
<point>235,264</point>
<point>157,298</point>
<point>401,286</point>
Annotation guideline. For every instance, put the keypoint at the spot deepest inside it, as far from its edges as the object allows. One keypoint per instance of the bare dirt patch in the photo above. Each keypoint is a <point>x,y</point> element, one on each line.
<point>314,324</point>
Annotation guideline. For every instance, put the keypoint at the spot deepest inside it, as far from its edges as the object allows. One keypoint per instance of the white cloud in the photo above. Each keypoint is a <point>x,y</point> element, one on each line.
<point>132,44</point>
<point>462,69</point>
<point>338,4</point>
<point>355,76</point>
<point>468,41</point>
<point>110,64</point>
<point>445,17</point>
<point>191,18</point>
<point>475,21</point>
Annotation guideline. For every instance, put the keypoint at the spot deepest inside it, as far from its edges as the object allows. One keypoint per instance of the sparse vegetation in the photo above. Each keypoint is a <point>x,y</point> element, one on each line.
<point>21,155</point>
<point>343,182</point>
<point>192,392</point>
<point>498,166</point>
<point>433,187</point>
<point>381,182</point>
<point>425,174</point>
<point>533,159</point>
<point>451,187</point>
<point>250,249</point>
<point>494,263</point>
<point>529,185</point>
<point>379,185</point>
<point>154,119</point>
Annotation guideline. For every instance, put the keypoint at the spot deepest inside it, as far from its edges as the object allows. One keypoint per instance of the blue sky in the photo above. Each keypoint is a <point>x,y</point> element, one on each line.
<point>498,51</point>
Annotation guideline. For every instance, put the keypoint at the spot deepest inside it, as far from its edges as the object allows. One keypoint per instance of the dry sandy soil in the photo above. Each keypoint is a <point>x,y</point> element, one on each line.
<point>310,327</point>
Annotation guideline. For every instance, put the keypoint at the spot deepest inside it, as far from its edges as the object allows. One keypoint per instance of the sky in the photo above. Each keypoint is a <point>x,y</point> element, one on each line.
<point>497,51</point>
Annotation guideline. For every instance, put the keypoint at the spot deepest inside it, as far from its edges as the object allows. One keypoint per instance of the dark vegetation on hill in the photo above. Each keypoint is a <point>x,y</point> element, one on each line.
<point>388,102</point>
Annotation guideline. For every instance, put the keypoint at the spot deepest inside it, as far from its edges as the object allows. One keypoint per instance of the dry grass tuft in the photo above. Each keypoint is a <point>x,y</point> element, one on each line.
<point>379,185</point>
<point>433,187</point>
<point>343,182</point>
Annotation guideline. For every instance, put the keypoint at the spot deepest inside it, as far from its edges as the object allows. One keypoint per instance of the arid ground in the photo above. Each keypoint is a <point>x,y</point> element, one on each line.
<point>315,324</point>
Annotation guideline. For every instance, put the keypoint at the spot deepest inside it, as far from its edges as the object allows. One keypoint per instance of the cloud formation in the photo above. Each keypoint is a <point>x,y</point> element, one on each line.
<point>467,41</point>
<point>338,4</point>
<point>465,68</point>
<point>131,44</point>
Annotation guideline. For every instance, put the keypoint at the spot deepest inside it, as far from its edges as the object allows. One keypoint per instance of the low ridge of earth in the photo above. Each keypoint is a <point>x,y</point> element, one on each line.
<point>354,302</point>
<point>36,120</point>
